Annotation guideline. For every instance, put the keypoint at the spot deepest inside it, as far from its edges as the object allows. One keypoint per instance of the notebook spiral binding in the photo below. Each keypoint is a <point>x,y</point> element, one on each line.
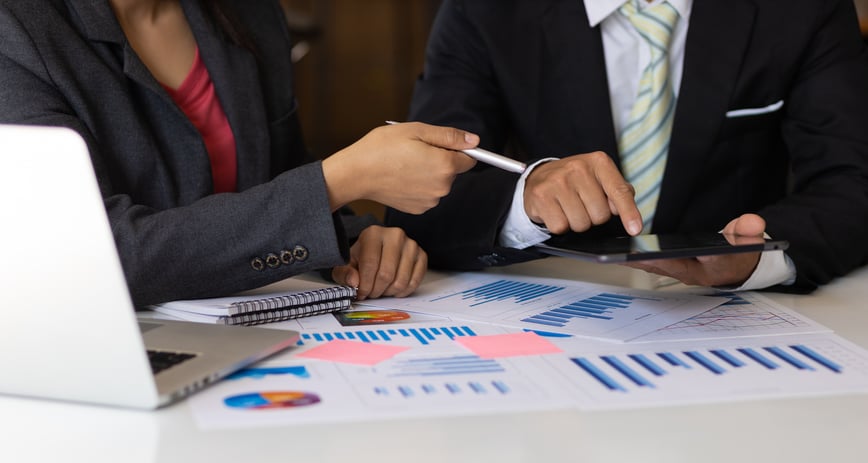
<point>294,301</point>
<point>287,313</point>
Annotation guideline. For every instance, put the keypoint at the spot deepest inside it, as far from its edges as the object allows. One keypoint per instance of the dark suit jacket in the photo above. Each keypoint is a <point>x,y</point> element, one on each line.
<point>67,63</point>
<point>531,75</point>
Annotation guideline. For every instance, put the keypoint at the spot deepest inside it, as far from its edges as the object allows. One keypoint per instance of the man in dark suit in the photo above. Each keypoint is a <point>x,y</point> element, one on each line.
<point>769,133</point>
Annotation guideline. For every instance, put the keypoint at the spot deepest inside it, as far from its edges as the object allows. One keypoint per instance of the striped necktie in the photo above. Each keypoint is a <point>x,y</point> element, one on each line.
<point>644,141</point>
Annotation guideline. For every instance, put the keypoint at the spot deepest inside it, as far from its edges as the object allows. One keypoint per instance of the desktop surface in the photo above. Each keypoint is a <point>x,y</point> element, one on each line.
<point>786,430</point>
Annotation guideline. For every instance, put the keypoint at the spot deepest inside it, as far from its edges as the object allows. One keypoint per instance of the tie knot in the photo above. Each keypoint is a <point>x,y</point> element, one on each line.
<point>654,23</point>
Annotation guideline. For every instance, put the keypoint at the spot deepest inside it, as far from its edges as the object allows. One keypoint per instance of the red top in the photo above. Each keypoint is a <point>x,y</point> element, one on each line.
<point>198,100</point>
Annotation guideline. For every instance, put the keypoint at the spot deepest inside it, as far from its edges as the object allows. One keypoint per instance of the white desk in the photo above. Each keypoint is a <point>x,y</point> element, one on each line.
<point>833,429</point>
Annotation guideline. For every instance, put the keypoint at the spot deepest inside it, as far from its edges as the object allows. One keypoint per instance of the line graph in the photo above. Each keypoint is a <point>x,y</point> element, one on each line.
<point>746,314</point>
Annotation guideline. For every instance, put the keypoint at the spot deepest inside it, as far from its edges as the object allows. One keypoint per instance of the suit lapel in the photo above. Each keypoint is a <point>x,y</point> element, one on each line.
<point>716,43</point>
<point>233,71</point>
<point>577,66</point>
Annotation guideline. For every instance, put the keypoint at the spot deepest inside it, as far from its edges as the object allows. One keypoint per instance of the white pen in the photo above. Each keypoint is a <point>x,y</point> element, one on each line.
<point>494,159</point>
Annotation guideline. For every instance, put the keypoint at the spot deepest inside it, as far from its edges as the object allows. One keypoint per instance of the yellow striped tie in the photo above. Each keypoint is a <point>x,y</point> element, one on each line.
<point>644,141</point>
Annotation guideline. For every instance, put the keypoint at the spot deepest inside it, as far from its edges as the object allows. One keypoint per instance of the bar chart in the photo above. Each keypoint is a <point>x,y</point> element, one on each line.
<point>560,306</point>
<point>500,290</point>
<point>599,306</point>
<point>412,336</point>
<point>686,372</point>
<point>447,379</point>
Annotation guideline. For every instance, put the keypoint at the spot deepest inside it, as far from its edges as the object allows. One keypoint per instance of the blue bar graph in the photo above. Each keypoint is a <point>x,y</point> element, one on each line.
<point>597,307</point>
<point>423,336</point>
<point>649,365</point>
<point>459,364</point>
<point>758,358</point>
<point>786,357</point>
<point>630,373</point>
<point>813,355</point>
<point>705,362</point>
<point>598,374</point>
<point>502,290</point>
<point>635,371</point>
<point>432,390</point>
<point>673,360</point>
<point>728,358</point>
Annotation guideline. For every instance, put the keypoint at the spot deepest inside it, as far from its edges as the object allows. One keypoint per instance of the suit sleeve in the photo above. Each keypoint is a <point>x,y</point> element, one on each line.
<point>825,128</point>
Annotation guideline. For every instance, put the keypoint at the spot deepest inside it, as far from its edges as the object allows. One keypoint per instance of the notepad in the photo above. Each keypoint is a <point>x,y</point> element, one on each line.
<point>261,308</point>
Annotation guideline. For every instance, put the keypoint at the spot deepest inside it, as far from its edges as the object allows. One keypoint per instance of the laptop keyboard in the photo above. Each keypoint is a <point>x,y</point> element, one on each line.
<point>161,360</point>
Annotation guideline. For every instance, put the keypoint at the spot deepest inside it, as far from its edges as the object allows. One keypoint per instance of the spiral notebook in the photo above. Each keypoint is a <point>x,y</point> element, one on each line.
<point>261,308</point>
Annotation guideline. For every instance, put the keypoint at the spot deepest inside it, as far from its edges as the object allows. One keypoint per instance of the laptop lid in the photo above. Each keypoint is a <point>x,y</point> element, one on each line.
<point>68,329</point>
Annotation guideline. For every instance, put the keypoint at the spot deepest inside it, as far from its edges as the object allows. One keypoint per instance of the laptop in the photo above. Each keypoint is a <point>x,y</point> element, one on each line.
<point>68,328</point>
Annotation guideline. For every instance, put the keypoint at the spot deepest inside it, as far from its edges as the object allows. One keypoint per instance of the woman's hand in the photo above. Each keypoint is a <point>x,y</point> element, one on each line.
<point>407,166</point>
<point>383,262</point>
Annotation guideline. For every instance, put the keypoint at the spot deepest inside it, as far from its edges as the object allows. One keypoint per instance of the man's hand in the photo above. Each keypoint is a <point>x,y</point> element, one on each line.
<point>383,262</point>
<point>727,269</point>
<point>578,192</point>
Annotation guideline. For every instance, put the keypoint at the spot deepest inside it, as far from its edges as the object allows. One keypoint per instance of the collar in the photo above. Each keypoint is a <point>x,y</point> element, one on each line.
<point>599,10</point>
<point>97,20</point>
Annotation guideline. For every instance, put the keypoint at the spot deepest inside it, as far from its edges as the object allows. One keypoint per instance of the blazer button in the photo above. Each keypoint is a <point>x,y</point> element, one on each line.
<point>272,261</point>
<point>257,264</point>
<point>300,253</point>
<point>286,257</point>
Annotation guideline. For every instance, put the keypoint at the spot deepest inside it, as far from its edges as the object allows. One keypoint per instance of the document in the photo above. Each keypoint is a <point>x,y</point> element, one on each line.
<point>746,314</point>
<point>560,306</point>
<point>671,373</point>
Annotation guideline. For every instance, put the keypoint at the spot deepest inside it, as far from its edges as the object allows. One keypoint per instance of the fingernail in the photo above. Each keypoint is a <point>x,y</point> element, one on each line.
<point>471,138</point>
<point>634,227</point>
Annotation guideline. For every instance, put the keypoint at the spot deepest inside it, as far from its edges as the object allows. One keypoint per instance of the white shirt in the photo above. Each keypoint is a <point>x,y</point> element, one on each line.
<point>626,55</point>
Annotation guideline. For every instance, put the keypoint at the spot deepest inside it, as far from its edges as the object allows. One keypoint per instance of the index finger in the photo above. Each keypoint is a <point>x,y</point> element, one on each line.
<point>621,195</point>
<point>445,137</point>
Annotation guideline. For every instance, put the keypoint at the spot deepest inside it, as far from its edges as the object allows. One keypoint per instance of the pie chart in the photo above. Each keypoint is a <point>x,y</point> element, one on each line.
<point>271,400</point>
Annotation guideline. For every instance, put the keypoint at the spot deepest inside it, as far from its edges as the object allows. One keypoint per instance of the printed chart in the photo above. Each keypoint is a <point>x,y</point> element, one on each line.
<point>560,306</point>
<point>417,385</point>
<point>745,314</point>
<point>716,370</point>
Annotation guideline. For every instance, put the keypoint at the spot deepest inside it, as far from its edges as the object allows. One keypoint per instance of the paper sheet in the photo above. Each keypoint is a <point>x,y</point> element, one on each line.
<point>560,306</point>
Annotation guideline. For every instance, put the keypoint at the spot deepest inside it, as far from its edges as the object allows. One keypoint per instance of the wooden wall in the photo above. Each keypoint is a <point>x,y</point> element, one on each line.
<point>360,68</point>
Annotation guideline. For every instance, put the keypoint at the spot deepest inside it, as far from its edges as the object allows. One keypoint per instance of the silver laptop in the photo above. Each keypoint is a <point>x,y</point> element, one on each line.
<point>68,329</point>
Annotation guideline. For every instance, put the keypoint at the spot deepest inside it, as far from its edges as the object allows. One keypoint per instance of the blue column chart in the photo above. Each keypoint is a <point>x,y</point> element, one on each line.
<point>724,370</point>
<point>405,335</point>
<point>599,306</point>
<point>552,305</point>
<point>444,379</point>
<point>501,290</point>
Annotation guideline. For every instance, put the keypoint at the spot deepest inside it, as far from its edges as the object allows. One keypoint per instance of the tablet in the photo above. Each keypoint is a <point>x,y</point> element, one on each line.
<point>647,247</point>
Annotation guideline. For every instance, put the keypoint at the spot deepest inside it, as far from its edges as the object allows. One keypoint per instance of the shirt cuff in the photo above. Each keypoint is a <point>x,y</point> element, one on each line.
<point>774,268</point>
<point>519,231</point>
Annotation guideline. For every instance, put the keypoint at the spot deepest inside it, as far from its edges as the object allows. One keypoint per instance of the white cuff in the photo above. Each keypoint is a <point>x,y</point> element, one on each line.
<point>774,268</point>
<point>519,231</point>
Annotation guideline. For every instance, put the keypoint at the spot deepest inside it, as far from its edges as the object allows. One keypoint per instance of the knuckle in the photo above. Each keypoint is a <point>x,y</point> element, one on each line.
<point>600,216</point>
<point>386,273</point>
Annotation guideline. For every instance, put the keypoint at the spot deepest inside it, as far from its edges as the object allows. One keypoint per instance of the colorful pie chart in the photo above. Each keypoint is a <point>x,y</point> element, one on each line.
<point>371,317</point>
<point>271,400</point>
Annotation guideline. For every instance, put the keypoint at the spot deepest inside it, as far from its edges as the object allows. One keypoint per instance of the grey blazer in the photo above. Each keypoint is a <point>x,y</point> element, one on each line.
<point>67,63</point>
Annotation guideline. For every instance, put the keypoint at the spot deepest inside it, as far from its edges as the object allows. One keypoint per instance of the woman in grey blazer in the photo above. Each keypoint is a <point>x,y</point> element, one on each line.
<point>105,68</point>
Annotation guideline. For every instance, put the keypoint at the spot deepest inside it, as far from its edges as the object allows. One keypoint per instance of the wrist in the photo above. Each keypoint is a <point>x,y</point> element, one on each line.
<point>342,187</point>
